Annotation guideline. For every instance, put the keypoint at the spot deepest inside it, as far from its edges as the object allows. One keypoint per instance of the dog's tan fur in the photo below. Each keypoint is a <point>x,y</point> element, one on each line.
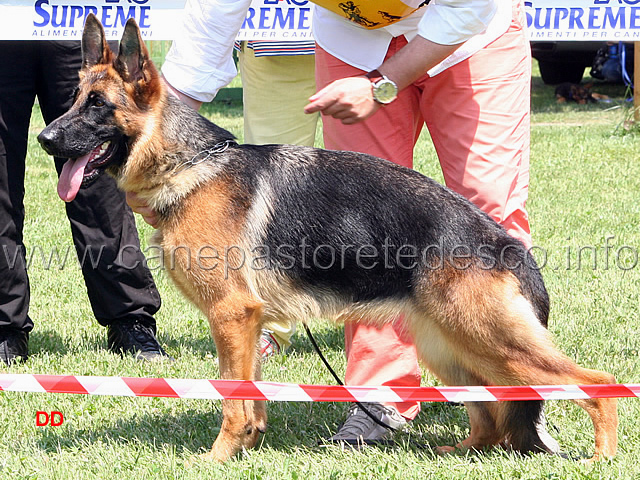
<point>471,326</point>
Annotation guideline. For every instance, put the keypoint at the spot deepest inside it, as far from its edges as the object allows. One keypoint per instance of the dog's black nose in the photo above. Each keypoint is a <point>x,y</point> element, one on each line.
<point>47,140</point>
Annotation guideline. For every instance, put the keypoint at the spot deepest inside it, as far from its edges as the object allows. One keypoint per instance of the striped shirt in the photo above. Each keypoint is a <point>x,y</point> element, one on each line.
<point>271,48</point>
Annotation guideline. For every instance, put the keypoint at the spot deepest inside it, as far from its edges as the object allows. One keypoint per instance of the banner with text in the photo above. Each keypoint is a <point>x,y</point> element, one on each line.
<point>552,20</point>
<point>278,20</point>
<point>601,20</point>
<point>64,19</point>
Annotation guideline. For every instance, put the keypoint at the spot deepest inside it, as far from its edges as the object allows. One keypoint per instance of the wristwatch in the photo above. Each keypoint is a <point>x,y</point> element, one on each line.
<point>384,90</point>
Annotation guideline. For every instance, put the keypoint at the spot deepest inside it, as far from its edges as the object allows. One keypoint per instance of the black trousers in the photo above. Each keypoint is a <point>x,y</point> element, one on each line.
<point>102,225</point>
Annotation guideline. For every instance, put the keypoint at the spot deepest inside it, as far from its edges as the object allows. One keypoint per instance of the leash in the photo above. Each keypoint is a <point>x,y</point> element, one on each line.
<point>339,381</point>
<point>204,155</point>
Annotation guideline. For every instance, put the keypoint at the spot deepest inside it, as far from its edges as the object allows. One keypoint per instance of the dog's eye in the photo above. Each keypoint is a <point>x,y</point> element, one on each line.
<point>96,100</point>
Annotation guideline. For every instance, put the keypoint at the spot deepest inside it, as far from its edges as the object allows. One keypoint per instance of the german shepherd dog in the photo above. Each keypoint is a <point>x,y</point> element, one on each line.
<point>339,235</point>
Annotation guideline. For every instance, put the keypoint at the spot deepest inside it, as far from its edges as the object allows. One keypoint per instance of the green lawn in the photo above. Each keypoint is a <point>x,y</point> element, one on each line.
<point>584,188</point>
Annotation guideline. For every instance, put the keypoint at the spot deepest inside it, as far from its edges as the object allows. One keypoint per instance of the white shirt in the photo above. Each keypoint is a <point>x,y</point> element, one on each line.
<point>200,61</point>
<point>447,22</point>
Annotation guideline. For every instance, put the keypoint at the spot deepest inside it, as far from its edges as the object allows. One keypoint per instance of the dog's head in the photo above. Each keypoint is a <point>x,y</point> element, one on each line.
<point>113,104</point>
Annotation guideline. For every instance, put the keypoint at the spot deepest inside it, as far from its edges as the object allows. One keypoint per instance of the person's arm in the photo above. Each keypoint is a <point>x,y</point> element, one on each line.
<point>351,99</point>
<point>200,60</point>
<point>184,98</point>
<point>445,26</point>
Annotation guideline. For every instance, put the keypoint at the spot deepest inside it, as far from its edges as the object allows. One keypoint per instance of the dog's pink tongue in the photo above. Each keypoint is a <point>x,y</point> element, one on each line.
<point>71,177</point>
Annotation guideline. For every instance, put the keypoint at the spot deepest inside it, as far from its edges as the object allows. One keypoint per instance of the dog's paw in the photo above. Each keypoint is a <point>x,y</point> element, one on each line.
<point>597,458</point>
<point>209,457</point>
<point>445,450</point>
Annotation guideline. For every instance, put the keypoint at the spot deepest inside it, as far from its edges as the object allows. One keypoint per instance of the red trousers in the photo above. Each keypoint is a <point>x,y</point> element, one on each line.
<point>477,113</point>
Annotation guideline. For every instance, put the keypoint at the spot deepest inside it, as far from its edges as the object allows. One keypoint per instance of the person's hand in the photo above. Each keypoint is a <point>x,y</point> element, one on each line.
<point>140,206</point>
<point>348,99</point>
<point>351,99</point>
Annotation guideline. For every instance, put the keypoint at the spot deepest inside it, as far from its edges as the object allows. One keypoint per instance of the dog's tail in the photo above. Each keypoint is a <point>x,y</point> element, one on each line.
<point>523,421</point>
<point>524,427</point>
<point>519,260</point>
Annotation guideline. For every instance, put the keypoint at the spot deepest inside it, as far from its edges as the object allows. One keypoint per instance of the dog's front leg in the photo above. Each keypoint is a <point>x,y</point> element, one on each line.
<point>236,325</point>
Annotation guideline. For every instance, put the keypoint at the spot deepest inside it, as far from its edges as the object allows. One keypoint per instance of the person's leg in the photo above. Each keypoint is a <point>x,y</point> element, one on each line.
<point>376,356</point>
<point>275,91</point>
<point>478,115</point>
<point>17,93</point>
<point>121,289</point>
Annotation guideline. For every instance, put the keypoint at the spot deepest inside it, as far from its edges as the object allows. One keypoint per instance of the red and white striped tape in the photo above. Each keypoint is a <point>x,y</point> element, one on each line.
<point>288,392</point>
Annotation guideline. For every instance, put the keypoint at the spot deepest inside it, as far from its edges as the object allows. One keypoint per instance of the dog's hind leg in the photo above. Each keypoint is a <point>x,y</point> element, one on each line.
<point>515,423</point>
<point>235,325</point>
<point>518,420</point>
<point>490,421</point>
<point>440,357</point>
<point>483,416</point>
<point>604,415</point>
<point>487,431</point>
<point>603,411</point>
<point>480,322</point>
<point>520,352</point>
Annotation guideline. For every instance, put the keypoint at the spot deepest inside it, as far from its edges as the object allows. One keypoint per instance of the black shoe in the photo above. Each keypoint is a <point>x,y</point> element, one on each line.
<point>136,338</point>
<point>14,345</point>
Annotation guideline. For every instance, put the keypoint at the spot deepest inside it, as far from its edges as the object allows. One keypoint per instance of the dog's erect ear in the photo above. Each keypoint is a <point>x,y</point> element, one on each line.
<point>94,45</point>
<point>133,58</point>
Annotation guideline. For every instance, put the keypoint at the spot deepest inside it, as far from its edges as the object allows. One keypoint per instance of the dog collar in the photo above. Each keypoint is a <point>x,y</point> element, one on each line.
<point>204,155</point>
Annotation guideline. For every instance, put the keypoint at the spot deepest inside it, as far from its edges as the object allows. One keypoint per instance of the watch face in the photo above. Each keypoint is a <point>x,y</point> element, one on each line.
<point>385,91</point>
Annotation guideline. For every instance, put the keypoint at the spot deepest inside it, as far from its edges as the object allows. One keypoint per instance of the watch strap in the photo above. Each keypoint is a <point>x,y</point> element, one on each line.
<point>374,76</point>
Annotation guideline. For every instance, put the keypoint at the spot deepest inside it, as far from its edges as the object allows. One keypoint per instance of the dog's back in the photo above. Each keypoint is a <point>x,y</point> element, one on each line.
<point>354,229</point>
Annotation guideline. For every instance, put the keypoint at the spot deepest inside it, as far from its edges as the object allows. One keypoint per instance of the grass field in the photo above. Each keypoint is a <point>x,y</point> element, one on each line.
<point>584,189</point>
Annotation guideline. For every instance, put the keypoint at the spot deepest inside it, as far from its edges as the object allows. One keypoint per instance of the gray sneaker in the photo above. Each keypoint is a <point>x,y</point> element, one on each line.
<point>360,429</point>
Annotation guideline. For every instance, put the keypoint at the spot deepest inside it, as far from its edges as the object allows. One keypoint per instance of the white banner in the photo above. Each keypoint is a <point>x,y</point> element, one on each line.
<point>64,19</point>
<point>601,20</point>
<point>598,20</point>
<point>277,20</point>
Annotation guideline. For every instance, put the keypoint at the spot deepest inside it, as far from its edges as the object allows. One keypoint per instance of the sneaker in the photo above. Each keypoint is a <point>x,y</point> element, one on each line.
<point>269,346</point>
<point>14,345</point>
<point>136,338</point>
<point>360,429</point>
